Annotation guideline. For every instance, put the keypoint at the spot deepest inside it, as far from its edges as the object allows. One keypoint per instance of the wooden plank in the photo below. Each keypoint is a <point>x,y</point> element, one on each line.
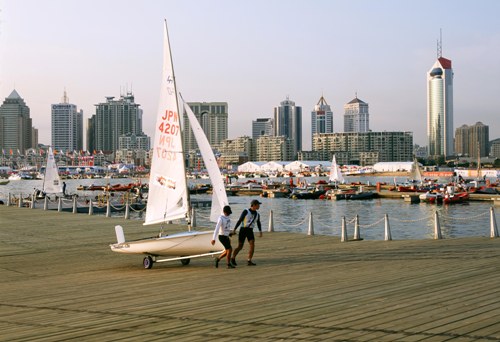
<point>59,280</point>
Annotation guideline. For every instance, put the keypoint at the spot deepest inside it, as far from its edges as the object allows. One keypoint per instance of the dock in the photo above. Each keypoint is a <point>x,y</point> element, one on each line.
<point>60,281</point>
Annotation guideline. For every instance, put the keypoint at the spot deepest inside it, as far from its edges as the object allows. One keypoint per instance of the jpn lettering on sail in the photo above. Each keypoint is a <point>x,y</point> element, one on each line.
<point>168,197</point>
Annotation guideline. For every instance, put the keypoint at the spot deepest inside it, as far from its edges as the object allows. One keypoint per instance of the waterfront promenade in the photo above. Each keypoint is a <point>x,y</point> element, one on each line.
<point>59,281</point>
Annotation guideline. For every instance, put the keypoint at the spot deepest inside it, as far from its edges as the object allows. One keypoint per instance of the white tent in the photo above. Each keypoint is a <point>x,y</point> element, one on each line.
<point>393,166</point>
<point>273,166</point>
<point>250,167</point>
<point>307,165</point>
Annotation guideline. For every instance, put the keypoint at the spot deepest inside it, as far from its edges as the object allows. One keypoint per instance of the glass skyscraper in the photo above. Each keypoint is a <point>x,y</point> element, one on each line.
<point>288,123</point>
<point>440,108</point>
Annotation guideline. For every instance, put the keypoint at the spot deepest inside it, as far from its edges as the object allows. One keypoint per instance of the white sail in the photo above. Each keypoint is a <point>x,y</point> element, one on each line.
<point>219,196</point>
<point>335,172</point>
<point>416,174</point>
<point>51,181</point>
<point>168,194</point>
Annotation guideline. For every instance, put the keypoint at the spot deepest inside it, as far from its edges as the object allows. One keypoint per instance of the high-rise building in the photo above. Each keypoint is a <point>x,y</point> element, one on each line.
<point>67,126</point>
<point>321,118</point>
<point>113,119</point>
<point>440,107</point>
<point>261,127</point>
<point>469,140</point>
<point>288,123</point>
<point>212,117</point>
<point>365,148</point>
<point>16,131</point>
<point>274,148</point>
<point>356,116</point>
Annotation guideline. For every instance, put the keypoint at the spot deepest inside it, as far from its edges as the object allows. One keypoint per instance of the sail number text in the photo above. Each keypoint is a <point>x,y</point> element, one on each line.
<point>169,127</point>
<point>170,123</point>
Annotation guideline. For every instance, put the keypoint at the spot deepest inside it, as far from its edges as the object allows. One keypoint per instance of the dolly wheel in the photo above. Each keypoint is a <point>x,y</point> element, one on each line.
<point>185,261</point>
<point>147,262</point>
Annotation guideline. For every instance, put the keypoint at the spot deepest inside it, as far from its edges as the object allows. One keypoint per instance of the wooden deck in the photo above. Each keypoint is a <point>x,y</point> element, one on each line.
<point>60,281</point>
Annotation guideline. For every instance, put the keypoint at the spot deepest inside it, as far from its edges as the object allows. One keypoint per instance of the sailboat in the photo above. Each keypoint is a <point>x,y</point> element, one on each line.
<point>416,174</point>
<point>168,197</point>
<point>335,172</point>
<point>51,180</point>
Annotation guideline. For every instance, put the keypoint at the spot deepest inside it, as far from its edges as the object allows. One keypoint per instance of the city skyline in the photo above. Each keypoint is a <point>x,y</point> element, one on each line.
<point>240,53</point>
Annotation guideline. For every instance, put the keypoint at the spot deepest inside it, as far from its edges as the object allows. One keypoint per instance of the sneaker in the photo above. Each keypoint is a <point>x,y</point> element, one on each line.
<point>250,263</point>
<point>230,266</point>
<point>217,262</point>
<point>233,262</point>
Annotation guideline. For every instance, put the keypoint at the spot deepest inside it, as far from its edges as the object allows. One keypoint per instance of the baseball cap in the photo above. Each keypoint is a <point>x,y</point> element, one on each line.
<point>254,202</point>
<point>227,209</point>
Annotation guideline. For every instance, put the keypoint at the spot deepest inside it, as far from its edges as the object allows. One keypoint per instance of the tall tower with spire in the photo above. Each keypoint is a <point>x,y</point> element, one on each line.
<point>321,118</point>
<point>440,106</point>
<point>67,126</point>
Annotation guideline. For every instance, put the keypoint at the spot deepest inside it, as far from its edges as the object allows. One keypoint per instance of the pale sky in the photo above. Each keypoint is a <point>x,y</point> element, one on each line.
<point>252,55</point>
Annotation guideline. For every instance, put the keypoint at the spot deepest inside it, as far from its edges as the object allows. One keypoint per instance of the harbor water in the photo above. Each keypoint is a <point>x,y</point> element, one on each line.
<point>406,220</point>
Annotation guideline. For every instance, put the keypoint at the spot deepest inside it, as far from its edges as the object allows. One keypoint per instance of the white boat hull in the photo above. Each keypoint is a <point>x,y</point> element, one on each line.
<point>175,245</point>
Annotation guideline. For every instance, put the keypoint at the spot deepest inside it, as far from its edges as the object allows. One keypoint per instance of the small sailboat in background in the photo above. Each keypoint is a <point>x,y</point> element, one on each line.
<point>416,173</point>
<point>51,180</point>
<point>335,172</point>
<point>168,197</point>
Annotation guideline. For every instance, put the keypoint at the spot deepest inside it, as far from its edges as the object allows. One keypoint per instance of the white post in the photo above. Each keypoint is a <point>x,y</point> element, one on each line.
<point>437,227</point>
<point>344,230</point>
<point>108,209</point>
<point>45,202</point>
<point>310,231</point>
<point>32,206</point>
<point>193,217</point>
<point>91,207</point>
<point>20,204</point>
<point>271,222</point>
<point>356,228</point>
<point>388,236</point>
<point>9,200</point>
<point>75,210</point>
<point>59,205</point>
<point>493,224</point>
<point>127,210</point>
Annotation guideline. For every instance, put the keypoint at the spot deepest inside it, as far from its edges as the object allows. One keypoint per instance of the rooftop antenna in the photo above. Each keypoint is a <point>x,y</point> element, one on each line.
<point>65,96</point>
<point>440,44</point>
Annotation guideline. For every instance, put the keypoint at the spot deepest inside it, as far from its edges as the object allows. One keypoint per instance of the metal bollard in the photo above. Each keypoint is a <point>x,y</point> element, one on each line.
<point>356,228</point>
<point>437,227</point>
<point>91,208</point>
<point>388,236</point>
<point>344,231</point>
<point>75,209</point>
<point>127,210</point>
<point>193,217</point>
<point>59,205</point>
<point>32,206</point>
<point>271,222</point>
<point>493,224</point>
<point>310,230</point>
<point>108,209</point>
<point>45,202</point>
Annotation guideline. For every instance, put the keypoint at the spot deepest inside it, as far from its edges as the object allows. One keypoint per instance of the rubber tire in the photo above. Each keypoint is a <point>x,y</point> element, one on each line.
<point>185,261</point>
<point>147,262</point>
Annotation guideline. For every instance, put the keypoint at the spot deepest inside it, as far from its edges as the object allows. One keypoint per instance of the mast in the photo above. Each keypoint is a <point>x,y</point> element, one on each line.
<point>188,214</point>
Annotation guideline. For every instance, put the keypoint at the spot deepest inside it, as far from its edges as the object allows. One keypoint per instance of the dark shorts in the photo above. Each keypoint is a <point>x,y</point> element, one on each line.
<point>246,233</point>
<point>226,242</point>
